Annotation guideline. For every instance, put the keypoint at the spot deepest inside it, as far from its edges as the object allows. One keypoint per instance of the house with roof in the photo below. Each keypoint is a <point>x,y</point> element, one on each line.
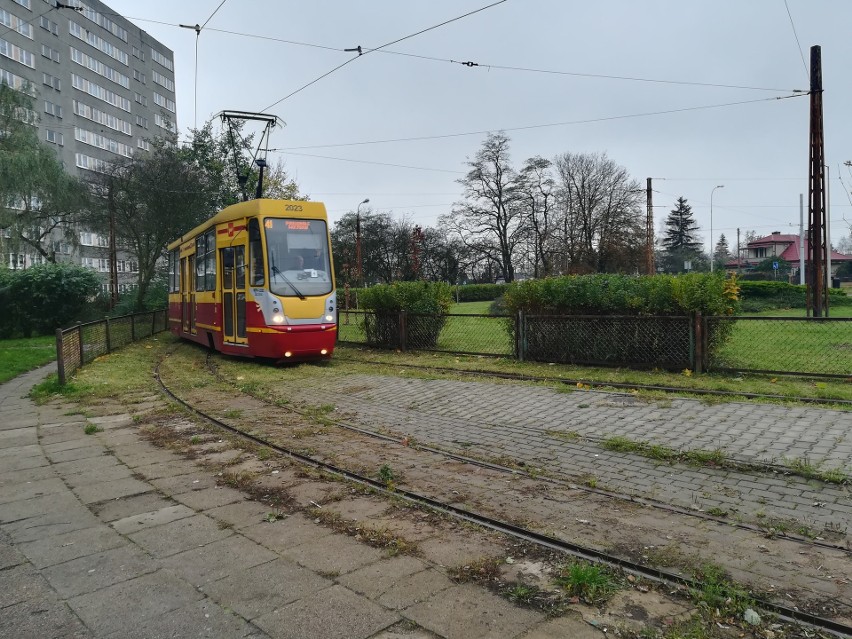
<point>784,247</point>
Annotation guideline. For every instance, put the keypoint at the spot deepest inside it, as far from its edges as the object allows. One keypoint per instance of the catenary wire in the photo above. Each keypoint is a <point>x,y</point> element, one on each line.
<point>30,21</point>
<point>538,126</point>
<point>213,14</point>
<point>400,166</point>
<point>798,44</point>
<point>392,42</point>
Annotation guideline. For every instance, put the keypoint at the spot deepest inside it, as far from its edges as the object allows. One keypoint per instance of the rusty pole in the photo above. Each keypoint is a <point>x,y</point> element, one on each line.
<point>817,292</point>
<point>650,267</point>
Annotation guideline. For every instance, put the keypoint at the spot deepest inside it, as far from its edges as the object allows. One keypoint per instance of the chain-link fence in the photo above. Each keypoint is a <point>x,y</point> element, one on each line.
<point>613,340</point>
<point>82,343</point>
<point>811,346</point>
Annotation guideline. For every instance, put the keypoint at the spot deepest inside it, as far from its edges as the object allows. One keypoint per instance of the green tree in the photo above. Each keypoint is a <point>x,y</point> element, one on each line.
<point>154,199</point>
<point>721,252</point>
<point>681,228</point>
<point>37,196</point>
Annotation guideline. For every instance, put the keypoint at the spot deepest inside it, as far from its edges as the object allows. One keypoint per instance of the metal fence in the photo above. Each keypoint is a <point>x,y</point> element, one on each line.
<point>821,347</point>
<point>812,346</point>
<point>82,343</point>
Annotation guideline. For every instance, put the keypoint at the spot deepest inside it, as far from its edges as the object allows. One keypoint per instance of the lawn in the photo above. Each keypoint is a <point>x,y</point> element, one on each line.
<point>21,355</point>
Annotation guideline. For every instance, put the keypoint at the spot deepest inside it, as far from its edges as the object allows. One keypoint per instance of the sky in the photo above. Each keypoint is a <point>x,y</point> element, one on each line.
<point>756,147</point>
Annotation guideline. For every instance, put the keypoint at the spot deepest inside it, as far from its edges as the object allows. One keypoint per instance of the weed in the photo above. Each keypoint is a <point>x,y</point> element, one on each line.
<point>568,436</point>
<point>715,511</point>
<point>659,452</point>
<point>591,481</point>
<point>264,453</point>
<point>195,439</point>
<point>482,570</point>
<point>805,468</point>
<point>521,594</point>
<point>717,592</point>
<point>234,413</point>
<point>387,475</point>
<point>592,583</point>
<point>91,429</point>
<point>43,391</point>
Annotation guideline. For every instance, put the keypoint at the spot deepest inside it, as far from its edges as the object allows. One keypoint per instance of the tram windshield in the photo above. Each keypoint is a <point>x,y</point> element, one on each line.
<point>298,257</point>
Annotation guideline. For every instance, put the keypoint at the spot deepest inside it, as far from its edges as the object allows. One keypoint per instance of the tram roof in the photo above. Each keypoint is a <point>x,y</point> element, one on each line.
<point>255,208</point>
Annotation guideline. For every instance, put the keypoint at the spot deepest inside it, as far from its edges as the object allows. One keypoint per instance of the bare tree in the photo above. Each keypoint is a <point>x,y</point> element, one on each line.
<point>601,213</point>
<point>536,194</point>
<point>488,221</point>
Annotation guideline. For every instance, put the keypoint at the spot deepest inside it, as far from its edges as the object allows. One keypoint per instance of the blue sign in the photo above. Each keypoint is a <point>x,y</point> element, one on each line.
<point>774,266</point>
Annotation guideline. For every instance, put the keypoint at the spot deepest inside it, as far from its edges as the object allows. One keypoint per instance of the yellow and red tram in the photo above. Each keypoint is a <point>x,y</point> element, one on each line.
<point>256,280</point>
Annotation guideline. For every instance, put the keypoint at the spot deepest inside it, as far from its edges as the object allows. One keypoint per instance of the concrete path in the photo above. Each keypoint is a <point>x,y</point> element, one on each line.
<point>105,535</point>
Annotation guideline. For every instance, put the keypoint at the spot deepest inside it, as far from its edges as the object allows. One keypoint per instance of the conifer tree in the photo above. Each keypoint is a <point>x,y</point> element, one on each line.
<point>681,229</point>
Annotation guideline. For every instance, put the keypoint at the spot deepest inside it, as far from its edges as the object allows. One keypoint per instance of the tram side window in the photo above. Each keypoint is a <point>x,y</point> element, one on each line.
<point>174,271</point>
<point>200,251</point>
<point>210,260</point>
<point>255,253</point>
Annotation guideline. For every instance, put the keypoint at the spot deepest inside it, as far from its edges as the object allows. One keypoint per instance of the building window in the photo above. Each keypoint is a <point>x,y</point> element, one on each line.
<point>139,76</point>
<point>164,102</point>
<point>96,115</point>
<point>100,68</point>
<point>83,161</point>
<point>141,99</point>
<point>163,81</point>
<point>48,25</point>
<point>27,4</point>
<point>103,21</point>
<point>162,60</point>
<point>53,109</point>
<point>102,142</point>
<point>143,122</point>
<point>53,137</point>
<point>99,92</point>
<point>143,144</point>
<point>51,81</point>
<point>13,22</point>
<point>50,54</point>
<point>164,123</point>
<point>98,43</point>
<point>16,53</point>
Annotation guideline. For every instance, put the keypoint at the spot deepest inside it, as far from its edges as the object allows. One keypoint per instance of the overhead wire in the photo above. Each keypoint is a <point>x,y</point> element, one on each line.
<point>213,14</point>
<point>798,44</point>
<point>30,21</point>
<point>401,166</point>
<point>539,126</point>
<point>387,44</point>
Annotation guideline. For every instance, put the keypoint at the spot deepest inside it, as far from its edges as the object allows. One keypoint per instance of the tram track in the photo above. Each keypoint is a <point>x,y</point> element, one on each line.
<point>603,386</point>
<point>555,481</point>
<point>544,541</point>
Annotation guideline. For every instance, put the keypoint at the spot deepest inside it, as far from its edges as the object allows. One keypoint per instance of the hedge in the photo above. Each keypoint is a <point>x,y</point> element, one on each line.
<point>426,302</point>
<point>760,296</point>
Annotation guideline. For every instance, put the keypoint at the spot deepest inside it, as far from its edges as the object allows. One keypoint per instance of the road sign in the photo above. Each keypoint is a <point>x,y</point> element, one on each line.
<point>774,266</point>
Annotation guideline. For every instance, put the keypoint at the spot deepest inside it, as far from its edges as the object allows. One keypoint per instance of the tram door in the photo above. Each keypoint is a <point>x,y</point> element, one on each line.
<point>187,293</point>
<point>234,294</point>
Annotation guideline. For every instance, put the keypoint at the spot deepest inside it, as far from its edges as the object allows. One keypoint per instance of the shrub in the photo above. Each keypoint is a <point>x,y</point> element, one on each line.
<point>761,296</point>
<point>46,297</point>
<point>480,292</point>
<point>425,302</point>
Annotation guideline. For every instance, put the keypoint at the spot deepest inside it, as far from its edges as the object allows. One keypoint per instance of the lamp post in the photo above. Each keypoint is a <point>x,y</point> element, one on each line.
<point>358,262</point>
<point>718,186</point>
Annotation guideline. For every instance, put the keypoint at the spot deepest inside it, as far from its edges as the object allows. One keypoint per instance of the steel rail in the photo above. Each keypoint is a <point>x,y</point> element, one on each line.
<point>518,532</point>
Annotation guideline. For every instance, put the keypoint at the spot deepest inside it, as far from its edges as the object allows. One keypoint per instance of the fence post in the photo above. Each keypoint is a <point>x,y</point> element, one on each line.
<point>60,357</point>
<point>403,330</point>
<point>698,330</point>
<point>133,327</point>
<point>153,322</point>
<point>80,341</point>
<point>108,343</point>
<point>520,338</point>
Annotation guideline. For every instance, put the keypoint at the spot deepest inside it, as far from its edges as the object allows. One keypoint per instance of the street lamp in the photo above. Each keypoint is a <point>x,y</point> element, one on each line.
<point>358,262</point>
<point>718,186</point>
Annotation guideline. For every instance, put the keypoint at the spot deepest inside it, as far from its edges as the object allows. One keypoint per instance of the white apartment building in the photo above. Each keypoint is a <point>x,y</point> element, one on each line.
<point>102,88</point>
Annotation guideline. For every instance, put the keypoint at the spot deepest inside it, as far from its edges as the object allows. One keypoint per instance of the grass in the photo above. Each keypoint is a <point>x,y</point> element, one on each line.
<point>805,468</point>
<point>592,583</point>
<point>21,355</point>
<point>664,453</point>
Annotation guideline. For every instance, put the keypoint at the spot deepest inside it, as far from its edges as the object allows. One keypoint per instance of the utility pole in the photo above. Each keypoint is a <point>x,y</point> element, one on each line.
<point>113,251</point>
<point>817,294</point>
<point>738,251</point>
<point>801,239</point>
<point>358,263</point>
<point>649,230</point>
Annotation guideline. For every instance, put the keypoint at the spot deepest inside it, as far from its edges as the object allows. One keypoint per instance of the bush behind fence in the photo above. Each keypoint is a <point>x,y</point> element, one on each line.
<point>83,343</point>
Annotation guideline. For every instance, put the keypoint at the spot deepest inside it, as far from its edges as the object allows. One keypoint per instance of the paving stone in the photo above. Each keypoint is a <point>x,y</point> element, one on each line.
<point>93,493</point>
<point>160,470</point>
<point>375,579</point>
<point>333,554</point>
<point>41,619</point>
<point>264,588</point>
<point>563,627</point>
<point>200,620</point>
<point>59,548</point>
<point>135,523</point>
<point>10,556</point>
<point>334,613</point>
<point>178,536</point>
<point>129,506</point>
<point>86,452</point>
<point>185,483</point>
<point>414,589</point>
<point>207,496</point>
<point>219,559</point>
<point>458,551</point>
<point>101,475</point>
<point>31,489</point>
<point>91,464</point>
<point>285,533</point>
<point>17,477</point>
<point>404,630</point>
<point>470,612</point>
<point>50,523</point>
<point>22,583</point>
<point>93,572</point>
<point>241,514</point>
<point>161,593</point>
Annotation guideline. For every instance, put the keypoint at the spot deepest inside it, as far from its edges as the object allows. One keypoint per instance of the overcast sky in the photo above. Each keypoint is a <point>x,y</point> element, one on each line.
<point>758,151</point>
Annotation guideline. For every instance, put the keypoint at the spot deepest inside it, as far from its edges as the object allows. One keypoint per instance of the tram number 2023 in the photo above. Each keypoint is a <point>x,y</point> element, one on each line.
<point>293,207</point>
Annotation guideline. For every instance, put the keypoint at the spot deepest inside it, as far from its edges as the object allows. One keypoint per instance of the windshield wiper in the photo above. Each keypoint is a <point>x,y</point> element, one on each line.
<point>275,271</point>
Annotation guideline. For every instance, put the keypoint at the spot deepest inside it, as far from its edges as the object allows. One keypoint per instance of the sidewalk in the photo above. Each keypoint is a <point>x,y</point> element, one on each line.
<point>106,535</point>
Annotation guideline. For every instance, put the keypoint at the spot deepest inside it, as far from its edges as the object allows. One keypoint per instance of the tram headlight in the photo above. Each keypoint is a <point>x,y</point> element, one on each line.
<point>278,318</point>
<point>329,318</point>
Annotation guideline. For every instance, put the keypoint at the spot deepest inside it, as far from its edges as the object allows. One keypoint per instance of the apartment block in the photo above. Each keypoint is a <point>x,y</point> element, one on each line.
<point>102,87</point>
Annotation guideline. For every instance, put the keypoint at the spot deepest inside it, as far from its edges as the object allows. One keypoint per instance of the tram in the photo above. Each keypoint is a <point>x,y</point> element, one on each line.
<point>256,280</point>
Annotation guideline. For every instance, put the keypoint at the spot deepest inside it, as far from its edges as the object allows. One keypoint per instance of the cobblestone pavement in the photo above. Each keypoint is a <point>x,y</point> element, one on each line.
<point>106,535</point>
<point>539,426</point>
